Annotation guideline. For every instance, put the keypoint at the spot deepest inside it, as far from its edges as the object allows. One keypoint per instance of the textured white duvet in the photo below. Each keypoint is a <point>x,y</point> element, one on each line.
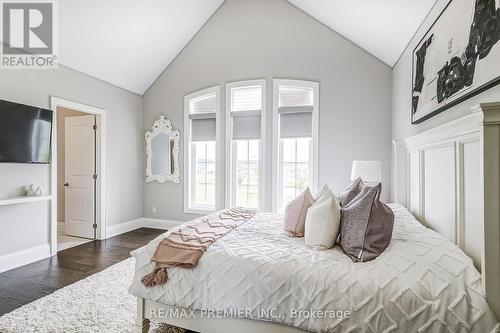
<point>421,283</point>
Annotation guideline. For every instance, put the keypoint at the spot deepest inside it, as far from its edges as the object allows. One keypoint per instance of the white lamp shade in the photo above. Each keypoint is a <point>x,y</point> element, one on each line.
<point>369,171</point>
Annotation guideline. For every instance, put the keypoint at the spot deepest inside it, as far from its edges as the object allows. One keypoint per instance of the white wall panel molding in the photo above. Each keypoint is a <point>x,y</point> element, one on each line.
<point>490,177</point>
<point>400,169</point>
<point>450,132</point>
<point>453,186</point>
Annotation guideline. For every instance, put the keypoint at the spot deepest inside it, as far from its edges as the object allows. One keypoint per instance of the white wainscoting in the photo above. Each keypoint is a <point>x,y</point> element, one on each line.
<point>438,186</point>
<point>471,236</point>
<point>413,199</point>
<point>24,257</point>
<point>443,181</point>
<point>449,178</point>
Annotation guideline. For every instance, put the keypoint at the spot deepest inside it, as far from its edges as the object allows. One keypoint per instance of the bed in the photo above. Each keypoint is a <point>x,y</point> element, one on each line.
<point>256,279</point>
<point>421,281</point>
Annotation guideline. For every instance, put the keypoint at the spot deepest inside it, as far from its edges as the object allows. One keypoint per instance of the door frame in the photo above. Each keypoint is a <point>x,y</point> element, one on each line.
<point>100,200</point>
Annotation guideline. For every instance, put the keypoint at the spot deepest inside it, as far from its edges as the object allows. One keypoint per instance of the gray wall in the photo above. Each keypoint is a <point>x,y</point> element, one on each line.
<point>27,225</point>
<point>273,39</point>
<point>402,85</point>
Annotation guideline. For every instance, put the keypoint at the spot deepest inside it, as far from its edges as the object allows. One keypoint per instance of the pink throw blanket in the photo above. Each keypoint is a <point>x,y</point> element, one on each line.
<point>184,247</point>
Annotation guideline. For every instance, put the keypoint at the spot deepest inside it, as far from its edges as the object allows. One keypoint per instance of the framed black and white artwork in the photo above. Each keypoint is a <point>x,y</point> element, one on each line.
<point>458,57</point>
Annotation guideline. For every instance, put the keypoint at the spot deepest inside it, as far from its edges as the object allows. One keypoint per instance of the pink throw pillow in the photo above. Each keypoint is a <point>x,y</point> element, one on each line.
<point>295,214</point>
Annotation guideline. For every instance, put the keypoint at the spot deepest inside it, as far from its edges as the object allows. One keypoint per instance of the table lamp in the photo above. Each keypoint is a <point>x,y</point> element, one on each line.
<point>369,171</point>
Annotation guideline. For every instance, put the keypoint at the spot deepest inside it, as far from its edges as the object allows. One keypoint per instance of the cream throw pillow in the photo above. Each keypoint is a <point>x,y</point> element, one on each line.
<point>323,222</point>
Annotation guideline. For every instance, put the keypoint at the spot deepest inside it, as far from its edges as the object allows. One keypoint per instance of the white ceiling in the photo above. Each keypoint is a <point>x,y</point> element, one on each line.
<point>129,43</point>
<point>382,27</point>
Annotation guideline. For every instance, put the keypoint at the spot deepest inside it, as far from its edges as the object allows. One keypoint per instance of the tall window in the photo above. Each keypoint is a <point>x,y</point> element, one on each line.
<point>245,121</point>
<point>295,118</point>
<point>200,150</point>
<point>295,166</point>
<point>204,174</point>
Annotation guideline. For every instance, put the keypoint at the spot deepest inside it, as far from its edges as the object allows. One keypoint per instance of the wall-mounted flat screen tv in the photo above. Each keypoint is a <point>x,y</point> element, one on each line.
<point>25,133</point>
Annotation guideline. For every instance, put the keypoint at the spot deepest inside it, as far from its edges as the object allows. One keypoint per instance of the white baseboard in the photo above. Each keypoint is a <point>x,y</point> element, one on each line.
<point>142,222</point>
<point>123,227</point>
<point>160,223</point>
<point>24,257</point>
<point>20,258</point>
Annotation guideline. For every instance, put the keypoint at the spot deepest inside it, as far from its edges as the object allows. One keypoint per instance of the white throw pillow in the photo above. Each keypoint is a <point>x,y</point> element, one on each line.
<point>322,222</point>
<point>324,189</point>
<point>325,194</point>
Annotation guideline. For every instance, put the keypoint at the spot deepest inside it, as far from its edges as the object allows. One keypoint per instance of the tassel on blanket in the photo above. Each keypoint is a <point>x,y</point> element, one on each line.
<point>157,277</point>
<point>184,246</point>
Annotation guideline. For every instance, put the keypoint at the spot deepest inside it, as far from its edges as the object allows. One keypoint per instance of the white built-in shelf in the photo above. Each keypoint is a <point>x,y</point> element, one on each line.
<point>20,200</point>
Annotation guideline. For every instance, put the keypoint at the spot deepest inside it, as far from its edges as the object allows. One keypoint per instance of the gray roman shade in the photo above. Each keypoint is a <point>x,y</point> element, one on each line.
<point>295,122</point>
<point>246,125</point>
<point>246,105</point>
<point>295,109</point>
<point>203,126</point>
<point>202,115</point>
<point>245,128</point>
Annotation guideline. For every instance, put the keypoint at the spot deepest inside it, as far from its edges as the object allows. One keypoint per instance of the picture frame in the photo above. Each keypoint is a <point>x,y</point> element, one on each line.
<point>451,63</point>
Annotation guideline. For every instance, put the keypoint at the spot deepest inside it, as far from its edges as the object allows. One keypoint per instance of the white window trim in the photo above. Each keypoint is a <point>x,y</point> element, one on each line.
<point>276,135</point>
<point>187,154</point>
<point>230,148</point>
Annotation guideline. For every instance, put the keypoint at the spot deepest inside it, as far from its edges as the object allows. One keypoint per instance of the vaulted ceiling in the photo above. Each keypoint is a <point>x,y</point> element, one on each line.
<point>382,27</point>
<point>129,43</point>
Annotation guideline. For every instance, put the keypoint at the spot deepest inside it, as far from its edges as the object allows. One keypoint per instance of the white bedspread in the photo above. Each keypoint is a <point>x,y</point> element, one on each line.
<point>422,282</point>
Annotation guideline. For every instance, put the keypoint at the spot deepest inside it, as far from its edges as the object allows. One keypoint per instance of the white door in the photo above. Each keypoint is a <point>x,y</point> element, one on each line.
<point>79,184</point>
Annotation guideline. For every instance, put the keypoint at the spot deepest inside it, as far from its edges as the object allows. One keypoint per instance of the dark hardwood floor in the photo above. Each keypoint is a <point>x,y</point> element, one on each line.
<point>28,283</point>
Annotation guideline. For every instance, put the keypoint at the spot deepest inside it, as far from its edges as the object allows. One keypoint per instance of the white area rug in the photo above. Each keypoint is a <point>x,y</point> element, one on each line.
<point>99,303</point>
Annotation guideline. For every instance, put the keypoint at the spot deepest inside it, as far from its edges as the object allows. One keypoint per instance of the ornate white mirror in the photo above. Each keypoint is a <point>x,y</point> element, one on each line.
<point>162,148</point>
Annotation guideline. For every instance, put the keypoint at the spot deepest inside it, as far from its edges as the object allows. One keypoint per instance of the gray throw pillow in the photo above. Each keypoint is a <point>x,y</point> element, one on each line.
<point>351,191</point>
<point>366,225</point>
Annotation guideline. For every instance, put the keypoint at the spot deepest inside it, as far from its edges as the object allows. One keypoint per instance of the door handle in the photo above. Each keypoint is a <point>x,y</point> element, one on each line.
<point>66,184</point>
